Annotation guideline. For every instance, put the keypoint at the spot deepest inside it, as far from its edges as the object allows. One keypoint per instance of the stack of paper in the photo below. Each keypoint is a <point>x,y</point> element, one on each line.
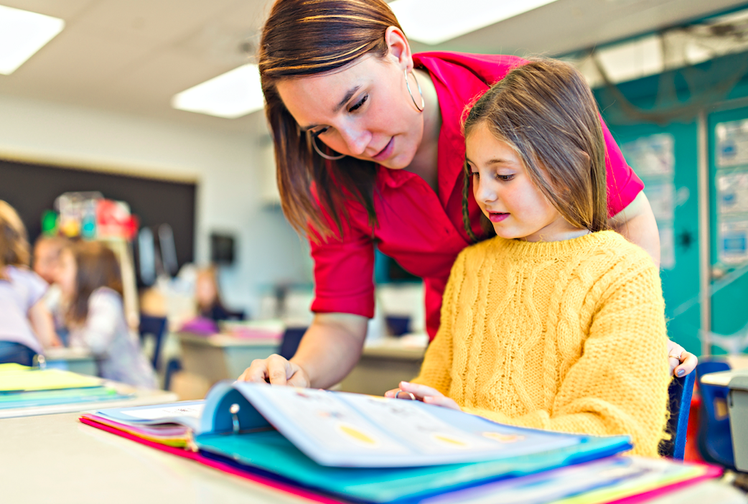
<point>22,387</point>
<point>170,425</point>
<point>376,450</point>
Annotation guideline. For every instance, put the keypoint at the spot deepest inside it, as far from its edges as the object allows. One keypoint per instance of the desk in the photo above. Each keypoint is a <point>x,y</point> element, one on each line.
<point>222,356</point>
<point>383,365</point>
<point>57,459</point>
<point>141,398</point>
<point>722,378</point>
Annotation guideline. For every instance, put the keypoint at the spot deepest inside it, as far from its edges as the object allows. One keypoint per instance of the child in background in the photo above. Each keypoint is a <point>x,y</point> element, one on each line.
<point>91,285</point>
<point>46,263</point>
<point>556,323</point>
<point>24,321</point>
<point>208,297</point>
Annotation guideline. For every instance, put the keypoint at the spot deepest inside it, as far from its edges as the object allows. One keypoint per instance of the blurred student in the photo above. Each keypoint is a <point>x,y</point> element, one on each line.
<point>25,324</point>
<point>208,297</point>
<point>91,285</point>
<point>47,251</point>
<point>46,263</point>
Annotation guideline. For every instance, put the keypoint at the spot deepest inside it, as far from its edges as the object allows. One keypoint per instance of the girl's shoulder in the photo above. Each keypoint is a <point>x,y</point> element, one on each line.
<point>27,279</point>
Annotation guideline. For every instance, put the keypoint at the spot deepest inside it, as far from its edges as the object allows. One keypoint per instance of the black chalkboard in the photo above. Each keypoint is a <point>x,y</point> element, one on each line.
<point>32,188</point>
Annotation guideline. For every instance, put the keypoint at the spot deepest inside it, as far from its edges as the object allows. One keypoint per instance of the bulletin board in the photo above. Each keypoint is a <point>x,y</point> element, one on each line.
<point>665,158</point>
<point>32,188</point>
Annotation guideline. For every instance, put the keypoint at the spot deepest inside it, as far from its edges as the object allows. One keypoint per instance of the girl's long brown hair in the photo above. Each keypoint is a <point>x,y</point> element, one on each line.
<point>308,37</point>
<point>545,110</point>
<point>14,244</point>
<point>97,266</point>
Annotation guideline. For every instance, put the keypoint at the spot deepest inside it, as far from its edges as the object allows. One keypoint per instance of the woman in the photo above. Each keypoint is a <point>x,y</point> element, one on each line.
<point>369,150</point>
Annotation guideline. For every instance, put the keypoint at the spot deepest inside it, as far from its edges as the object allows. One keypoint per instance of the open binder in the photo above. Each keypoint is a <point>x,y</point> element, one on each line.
<point>363,448</point>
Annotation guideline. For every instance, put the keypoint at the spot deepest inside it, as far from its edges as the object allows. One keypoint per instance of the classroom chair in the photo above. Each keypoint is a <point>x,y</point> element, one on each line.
<point>155,327</point>
<point>714,438</point>
<point>679,394</point>
<point>291,338</point>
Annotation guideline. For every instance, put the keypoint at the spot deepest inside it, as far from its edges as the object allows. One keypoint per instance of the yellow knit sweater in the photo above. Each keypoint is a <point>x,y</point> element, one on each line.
<point>566,336</point>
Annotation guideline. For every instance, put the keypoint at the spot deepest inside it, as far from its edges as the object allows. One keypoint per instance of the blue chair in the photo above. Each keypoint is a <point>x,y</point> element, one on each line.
<point>714,438</point>
<point>679,393</point>
<point>155,327</point>
<point>291,338</point>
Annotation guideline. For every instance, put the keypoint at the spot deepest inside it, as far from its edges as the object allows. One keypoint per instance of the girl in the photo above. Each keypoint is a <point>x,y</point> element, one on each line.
<point>369,150</point>
<point>24,320</point>
<point>91,286</point>
<point>556,323</point>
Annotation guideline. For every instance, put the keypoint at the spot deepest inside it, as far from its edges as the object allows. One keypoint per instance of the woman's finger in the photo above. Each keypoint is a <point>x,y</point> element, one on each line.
<point>688,362</point>
<point>256,372</point>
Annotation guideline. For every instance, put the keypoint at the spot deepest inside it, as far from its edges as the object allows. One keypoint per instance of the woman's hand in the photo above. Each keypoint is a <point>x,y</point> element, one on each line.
<point>681,362</point>
<point>277,371</point>
<point>423,393</point>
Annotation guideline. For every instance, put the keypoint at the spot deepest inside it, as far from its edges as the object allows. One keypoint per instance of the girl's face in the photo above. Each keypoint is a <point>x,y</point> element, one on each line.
<point>363,111</point>
<point>66,273</point>
<point>507,195</point>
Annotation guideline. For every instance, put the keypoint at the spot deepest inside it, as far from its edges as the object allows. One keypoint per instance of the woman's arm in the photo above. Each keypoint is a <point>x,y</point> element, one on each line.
<point>329,350</point>
<point>637,223</point>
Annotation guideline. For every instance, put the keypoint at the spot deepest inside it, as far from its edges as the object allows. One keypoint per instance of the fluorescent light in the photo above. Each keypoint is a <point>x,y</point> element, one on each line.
<point>22,33</point>
<point>436,21</point>
<point>230,95</point>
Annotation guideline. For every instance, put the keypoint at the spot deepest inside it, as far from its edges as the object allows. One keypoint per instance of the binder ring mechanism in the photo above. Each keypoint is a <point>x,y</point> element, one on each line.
<point>234,410</point>
<point>409,395</point>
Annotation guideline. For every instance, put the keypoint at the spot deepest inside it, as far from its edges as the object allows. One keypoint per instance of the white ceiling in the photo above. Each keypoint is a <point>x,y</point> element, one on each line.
<point>133,55</point>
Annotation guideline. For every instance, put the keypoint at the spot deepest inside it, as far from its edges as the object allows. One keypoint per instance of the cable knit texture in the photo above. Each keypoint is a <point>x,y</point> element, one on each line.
<point>567,336</point>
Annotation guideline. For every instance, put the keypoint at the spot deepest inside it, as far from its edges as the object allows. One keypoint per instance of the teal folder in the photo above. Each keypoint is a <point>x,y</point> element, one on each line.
<point>371,449</point>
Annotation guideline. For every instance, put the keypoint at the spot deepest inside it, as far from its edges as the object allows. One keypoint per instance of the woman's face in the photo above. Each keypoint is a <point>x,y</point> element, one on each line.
<point>66,273</point>
<point>363,111</point>
<point>507,195</point>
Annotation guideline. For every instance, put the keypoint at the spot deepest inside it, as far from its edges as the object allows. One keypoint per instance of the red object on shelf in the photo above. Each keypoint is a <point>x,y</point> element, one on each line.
<point>113,220</point>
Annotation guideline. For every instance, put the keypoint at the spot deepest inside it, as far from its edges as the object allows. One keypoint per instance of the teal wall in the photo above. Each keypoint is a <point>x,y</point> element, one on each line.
<point>690,90</point>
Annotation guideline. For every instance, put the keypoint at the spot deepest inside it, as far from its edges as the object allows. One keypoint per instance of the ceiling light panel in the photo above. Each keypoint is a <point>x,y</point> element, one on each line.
<point>436,21</point>
<point>230,95</point>
<point>22,34</point>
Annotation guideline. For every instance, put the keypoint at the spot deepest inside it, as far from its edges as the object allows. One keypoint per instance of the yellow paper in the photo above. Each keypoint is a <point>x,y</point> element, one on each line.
<point>24,379</point>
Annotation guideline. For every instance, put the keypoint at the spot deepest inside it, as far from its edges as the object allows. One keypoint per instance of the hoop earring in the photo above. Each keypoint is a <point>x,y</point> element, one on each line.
<point>407,84</point>
<point>326,156</point>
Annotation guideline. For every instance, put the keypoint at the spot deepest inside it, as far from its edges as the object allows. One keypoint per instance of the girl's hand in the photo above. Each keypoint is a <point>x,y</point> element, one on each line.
<point>681,362</point>
<point>424,394</point>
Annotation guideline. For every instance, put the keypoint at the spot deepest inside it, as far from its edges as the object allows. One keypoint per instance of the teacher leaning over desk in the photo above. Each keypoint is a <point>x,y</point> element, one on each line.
<point>369,150</point>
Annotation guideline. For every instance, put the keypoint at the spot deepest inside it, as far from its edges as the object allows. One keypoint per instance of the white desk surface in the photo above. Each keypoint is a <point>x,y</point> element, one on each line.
<point>722,378</point>
<point>141,398</point>
<point>227,340</point>
<point>55,458</point>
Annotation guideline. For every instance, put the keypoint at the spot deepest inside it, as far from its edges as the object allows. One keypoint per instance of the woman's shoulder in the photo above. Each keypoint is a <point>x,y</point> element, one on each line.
<point>492,67</point>
<point>104,296</point>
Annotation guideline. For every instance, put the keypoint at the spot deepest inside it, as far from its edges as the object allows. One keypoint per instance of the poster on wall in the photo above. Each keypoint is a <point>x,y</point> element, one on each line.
<point>651,156</point>
<point>733,242</point>
<point>732,192</point>
<point>732,143</point>
<point>653,159</point>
